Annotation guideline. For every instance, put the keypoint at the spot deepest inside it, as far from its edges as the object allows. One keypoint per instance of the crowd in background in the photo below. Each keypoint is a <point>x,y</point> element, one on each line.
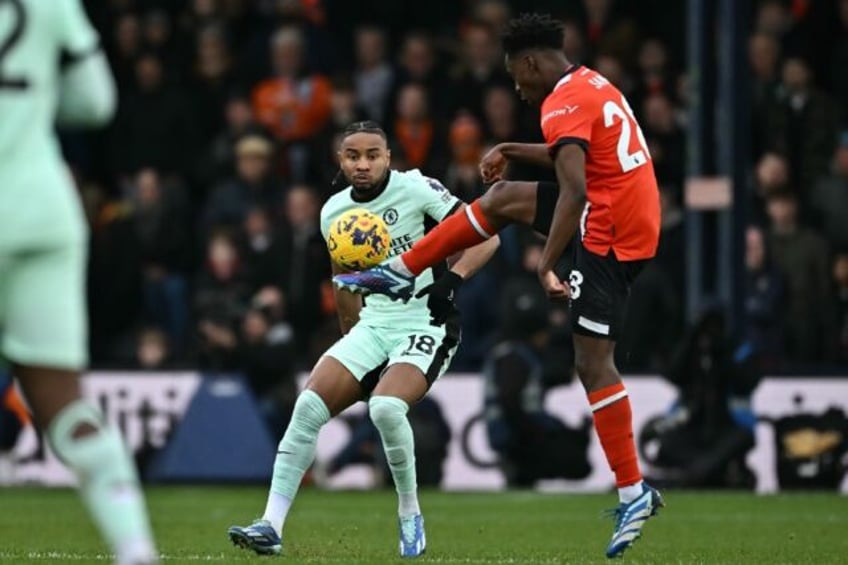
<point>203,196</point>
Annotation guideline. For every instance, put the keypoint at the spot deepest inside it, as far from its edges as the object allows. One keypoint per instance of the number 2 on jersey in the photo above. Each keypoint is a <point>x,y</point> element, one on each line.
<point>8,43</point>
<point>629,161</point>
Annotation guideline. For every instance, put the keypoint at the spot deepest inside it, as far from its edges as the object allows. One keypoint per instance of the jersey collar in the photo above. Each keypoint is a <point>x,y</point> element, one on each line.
<point>567,75</point>
<point>368,196</point>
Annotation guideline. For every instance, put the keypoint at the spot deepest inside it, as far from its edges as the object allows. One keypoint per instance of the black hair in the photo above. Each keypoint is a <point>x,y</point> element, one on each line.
<point>367,126</point>
<point>532,31</point>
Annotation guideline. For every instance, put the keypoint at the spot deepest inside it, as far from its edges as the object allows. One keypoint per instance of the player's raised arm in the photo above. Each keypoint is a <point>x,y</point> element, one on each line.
<point>87,94</point>
<point>569,163</point>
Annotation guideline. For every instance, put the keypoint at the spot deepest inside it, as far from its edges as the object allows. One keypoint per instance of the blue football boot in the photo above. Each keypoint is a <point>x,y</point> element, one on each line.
<point>260,536</point>
<point>630,517</point>
<point>413,542</point>
<point>382,279</point>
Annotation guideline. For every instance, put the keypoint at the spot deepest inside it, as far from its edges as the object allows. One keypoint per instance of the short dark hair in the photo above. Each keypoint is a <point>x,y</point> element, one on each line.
<point>532,31</point>
<point>366,126</point>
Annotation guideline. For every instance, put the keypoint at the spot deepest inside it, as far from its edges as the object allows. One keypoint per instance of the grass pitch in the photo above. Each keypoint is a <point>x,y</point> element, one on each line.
<point>49,526</point>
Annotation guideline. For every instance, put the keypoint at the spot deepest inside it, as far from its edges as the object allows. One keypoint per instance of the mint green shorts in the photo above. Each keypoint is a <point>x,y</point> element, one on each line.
<point>367,351</point>
<point>42,307</point>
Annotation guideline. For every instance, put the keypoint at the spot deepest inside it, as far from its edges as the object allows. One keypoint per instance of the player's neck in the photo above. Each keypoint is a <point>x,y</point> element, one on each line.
<point>372,192</point>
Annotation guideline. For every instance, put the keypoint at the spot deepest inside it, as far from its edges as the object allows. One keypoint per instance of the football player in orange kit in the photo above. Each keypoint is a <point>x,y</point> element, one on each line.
<point>606,189</point>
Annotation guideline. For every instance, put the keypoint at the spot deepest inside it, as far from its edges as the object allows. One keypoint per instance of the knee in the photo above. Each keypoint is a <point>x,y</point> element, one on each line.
<point>590,370</point>
<point>387,412</point>
<point>496,199</point>
<point>310,410</point>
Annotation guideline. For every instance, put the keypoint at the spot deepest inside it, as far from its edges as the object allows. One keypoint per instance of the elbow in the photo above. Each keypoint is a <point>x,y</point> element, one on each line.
<point>579,193</point>
<point>102,108</point>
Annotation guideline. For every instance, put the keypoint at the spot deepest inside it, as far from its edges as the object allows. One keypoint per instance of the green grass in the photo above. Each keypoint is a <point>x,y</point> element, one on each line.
<point>49,526</point>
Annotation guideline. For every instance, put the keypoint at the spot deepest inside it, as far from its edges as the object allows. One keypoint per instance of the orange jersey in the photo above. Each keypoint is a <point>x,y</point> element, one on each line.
<point>293,109</point>
<point>623,208</point>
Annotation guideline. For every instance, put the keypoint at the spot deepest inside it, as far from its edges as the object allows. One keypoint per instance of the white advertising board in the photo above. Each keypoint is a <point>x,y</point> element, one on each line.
<point>147,407</point>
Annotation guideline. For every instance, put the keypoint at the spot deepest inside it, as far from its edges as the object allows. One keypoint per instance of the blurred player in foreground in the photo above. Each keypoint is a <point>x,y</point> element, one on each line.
<point>605,187</point>
<point>391,352</point>
<point>52,69</point>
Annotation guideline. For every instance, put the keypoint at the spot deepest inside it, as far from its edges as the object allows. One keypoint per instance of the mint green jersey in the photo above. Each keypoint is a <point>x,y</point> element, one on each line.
<point>38,204</point>
<point>408,204</point>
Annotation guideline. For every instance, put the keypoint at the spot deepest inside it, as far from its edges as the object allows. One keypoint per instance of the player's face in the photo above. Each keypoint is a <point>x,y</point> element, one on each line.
<point>528,81</point>
<point>364,159</point>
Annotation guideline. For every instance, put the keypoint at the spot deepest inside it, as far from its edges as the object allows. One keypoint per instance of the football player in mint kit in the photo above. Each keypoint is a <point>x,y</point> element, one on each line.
<point>391,352</point>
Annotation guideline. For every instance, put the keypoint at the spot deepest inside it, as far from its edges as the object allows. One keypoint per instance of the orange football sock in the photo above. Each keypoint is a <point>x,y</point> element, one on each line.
<point>614,424</point>
<point>460,231</point>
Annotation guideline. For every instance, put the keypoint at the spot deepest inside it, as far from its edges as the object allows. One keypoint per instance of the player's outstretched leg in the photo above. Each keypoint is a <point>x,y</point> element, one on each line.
<point>504,203</point>
<point>294,456</point>
<point>95,452</point>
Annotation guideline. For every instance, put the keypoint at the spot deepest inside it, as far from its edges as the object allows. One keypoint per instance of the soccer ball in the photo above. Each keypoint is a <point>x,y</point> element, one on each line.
<point>358,240</point>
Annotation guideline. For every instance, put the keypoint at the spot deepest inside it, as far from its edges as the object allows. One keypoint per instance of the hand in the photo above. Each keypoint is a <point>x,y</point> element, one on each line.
<point>440,297</point>
<point>556,288</point>
<point>493,165</point>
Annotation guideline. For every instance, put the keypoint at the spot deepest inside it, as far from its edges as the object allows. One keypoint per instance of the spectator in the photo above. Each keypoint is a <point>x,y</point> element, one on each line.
<point>654,77</point>
<point>481,68</point>
<point>611,69</point>
<point>127,47</point>
<point>499,108</point>
<point>802,125</point>
<point>238,123</point>
<point>155,124</point>
<point>829,198</point>
<point>418,64</point>
<point>159,38</point>
<point>802,257</point>
<point>307,263</point>
<point>665,139</point>
<point>463,174</point>
<point>374,75</point>
<point>163,239</point>
<point>494,13</point>
<point>764,300</point>
<point>763,57</point>
<point>220,300</point>
<point>252,186</point>
<point>294,104</point>
<point>152,352</point>
<point>213,79</point>
<point>573,43</point>
<point>608,31</point>
<point>415,133</point>
<point>265,254</point>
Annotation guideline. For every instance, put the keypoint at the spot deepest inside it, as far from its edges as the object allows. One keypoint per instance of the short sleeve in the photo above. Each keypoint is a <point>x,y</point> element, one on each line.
<point>565,122</point>
<point>78,37</point>
<point>325,222</point>
<point>437,201</point>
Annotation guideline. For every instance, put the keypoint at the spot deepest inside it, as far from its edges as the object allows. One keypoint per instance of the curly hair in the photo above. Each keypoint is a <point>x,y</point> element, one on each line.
<point>529,31</point>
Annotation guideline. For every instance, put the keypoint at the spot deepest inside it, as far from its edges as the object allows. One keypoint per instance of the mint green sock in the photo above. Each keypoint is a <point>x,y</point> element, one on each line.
<point>295,454</point>
<point>389,416</point>
<point>107,478</point>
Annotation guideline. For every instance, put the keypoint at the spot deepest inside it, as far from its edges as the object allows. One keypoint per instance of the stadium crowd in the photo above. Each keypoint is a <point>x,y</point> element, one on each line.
<point>203,195</point>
